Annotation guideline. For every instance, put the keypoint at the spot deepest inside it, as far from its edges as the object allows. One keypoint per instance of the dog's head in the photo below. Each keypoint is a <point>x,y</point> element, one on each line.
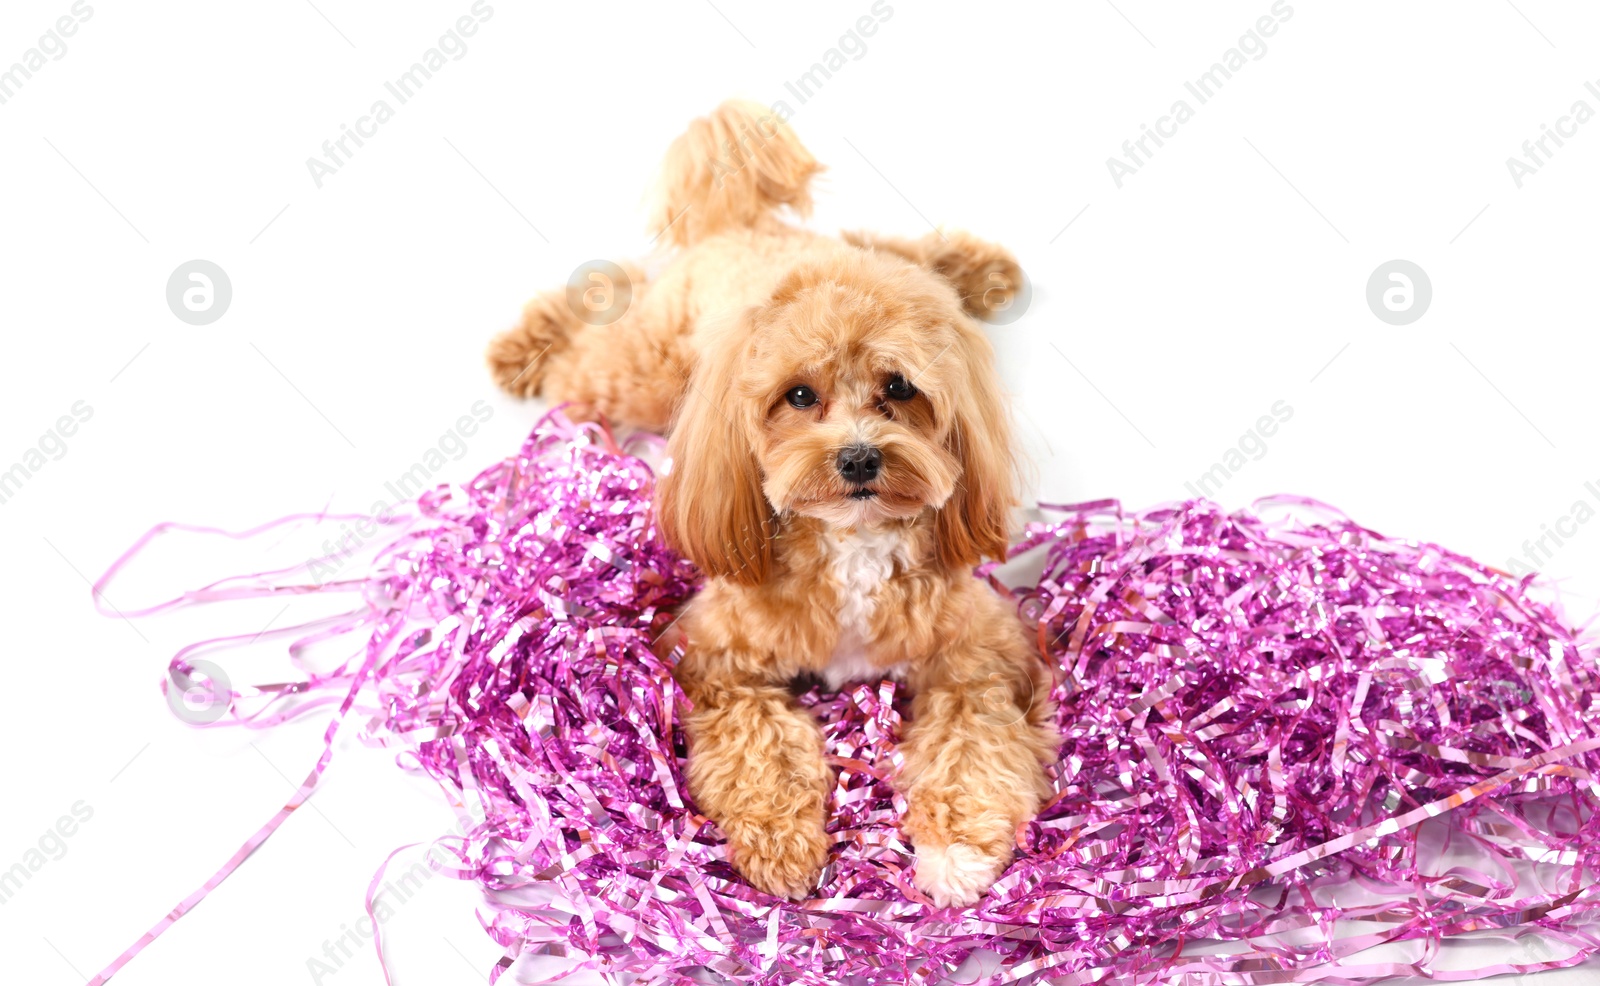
<point>859,392</point>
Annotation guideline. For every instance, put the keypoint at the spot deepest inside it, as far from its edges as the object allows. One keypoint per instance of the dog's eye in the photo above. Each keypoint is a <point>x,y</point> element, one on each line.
<point>899,389</point>
<point>801,397</point>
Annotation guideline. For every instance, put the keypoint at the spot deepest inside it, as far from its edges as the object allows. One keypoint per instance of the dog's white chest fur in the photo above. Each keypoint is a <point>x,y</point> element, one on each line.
<point>860,562</point>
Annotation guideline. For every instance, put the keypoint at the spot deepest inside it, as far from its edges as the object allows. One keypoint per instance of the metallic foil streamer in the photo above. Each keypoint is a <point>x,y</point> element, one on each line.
<point>1286,742</point>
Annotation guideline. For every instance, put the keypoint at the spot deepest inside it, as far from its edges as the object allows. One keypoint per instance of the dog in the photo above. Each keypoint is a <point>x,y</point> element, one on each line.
<point>841,459</point>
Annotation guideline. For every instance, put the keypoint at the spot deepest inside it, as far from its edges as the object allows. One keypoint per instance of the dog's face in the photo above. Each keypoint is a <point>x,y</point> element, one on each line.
<point>860,392</point>
<point>851,409</point>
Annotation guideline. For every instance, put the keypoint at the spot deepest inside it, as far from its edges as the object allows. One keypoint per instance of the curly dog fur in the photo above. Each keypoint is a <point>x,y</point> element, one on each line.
<point>841,460</point>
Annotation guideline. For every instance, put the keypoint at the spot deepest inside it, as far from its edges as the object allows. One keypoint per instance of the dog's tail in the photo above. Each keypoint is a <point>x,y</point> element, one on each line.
<point>734,168</point>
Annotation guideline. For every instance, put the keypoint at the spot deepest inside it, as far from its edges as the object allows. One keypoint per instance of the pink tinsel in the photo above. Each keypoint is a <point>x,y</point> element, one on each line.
<point>1294,728</point>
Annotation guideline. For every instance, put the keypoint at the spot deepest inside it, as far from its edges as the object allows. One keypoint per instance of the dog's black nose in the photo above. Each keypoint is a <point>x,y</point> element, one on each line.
<point>859,464</point>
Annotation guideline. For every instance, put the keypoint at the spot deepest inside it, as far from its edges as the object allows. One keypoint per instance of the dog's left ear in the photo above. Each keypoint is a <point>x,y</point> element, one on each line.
<point>976,521</point>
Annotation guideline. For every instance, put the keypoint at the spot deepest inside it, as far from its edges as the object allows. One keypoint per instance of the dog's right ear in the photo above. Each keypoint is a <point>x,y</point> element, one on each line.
<point>709,506</point>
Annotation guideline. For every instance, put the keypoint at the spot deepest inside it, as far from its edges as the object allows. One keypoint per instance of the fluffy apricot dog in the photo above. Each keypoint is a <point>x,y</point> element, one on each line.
<point>841,460</point>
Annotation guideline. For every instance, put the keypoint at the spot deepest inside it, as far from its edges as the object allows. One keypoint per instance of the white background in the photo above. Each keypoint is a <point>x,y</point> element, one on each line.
<point>1227,274</point>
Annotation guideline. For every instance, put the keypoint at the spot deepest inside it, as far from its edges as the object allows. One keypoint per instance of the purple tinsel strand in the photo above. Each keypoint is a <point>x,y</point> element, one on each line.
<point>1258,716</point>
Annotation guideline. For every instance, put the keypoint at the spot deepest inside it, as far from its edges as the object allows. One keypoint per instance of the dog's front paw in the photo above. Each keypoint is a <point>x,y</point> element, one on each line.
<point>956,875</point>
<point>779,856</point>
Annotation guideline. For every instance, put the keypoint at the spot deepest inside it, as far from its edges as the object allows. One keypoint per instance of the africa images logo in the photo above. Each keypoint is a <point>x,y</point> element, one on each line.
<point>52,445</point>
<point>451,46</point>
<point>52,845</point>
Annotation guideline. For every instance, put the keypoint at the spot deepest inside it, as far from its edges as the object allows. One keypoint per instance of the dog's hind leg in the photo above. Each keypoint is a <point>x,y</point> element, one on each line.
<point>986,274</point>
<point>632,372</point>
<point>521,357</point>
<point>517,356</point>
